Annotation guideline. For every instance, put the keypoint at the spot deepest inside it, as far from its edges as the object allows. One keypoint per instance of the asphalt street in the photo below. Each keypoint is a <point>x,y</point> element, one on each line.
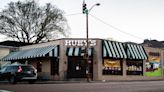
<point>137,86</point>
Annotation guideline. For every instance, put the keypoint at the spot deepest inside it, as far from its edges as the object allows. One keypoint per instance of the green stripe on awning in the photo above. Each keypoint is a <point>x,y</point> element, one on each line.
<point>130,52</point>
<point>136,52</point>
<point>107,50</point>
<point>78,51</point>
<point>142,50</point>
<point>119,50</point>
<point>51,51</point>
<point>113,49</point>
<point>116,50</point>
<point>123,50</point>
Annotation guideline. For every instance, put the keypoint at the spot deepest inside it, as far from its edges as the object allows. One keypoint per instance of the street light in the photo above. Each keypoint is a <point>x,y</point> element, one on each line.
<point>86,11</point>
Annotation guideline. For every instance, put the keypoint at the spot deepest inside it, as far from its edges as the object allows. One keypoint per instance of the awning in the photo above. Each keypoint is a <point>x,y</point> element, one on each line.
<point>113,49</point>
<point>50,51</point>
<point>78,51</point>
<point>136,52</point>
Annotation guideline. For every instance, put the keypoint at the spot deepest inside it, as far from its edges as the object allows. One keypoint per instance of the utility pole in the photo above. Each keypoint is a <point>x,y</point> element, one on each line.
<point>86,11</point>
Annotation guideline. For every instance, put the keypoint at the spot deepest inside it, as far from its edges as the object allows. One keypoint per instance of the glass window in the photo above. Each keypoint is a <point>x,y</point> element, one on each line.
<point>112,67</point>
<point>134,67</point>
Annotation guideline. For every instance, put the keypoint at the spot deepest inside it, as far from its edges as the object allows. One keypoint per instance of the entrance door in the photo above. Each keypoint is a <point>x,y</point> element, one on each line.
<point>76,67</point>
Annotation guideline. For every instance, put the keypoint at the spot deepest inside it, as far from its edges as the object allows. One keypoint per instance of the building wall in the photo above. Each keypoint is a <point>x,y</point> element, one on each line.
<point>156,53</point>
<point>133,77</point>
<point>46,63</point>
<point>129,77</point>
<point>3,52</point>
<point>162,58</point>
<point>62,61</point>
<point>46,68</point>
<point>97,63</point>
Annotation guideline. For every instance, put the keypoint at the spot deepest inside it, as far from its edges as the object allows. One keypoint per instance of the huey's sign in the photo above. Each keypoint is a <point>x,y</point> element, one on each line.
<point>80,42</point>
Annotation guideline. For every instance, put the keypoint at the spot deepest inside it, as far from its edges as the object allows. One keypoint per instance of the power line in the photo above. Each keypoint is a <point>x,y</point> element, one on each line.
<point>73,14</point>
<point>115,27</point>
<point>118,29</point>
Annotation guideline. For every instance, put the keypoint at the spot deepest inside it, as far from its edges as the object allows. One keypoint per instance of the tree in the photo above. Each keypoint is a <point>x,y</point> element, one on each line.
<point>28,22</point>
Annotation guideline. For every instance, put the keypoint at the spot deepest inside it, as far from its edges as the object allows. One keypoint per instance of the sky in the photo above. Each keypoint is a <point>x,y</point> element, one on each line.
<point>119,20</point>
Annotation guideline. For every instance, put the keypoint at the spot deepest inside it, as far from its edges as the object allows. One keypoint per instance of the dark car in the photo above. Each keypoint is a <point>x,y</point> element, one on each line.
<point>20,72</point>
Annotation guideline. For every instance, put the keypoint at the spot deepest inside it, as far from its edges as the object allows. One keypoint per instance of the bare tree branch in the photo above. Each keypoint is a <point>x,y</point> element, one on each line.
<point>28,22</point>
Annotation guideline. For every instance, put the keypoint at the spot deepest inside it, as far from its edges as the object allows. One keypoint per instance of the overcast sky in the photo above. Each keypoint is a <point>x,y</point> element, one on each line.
<point>120,20</point>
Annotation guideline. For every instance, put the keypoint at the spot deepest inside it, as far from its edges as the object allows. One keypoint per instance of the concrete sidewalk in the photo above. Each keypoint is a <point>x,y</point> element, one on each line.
<point>49,82</point>
<point>73,81</point>
<point>91,81</point>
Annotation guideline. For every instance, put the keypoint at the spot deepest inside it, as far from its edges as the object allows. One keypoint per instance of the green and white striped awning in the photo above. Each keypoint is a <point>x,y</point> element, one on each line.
<point>78,51</point>
<point>136,52</point>
<point>50,51</point>
<point>113,49</point>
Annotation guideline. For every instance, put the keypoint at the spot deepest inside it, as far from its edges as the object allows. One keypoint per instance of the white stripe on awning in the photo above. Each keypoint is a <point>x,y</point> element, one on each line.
<point>119,50</point>
<point>130,52</point>
<point>143,52</point>
<point>104,52</point>
<point>136,52</point>
<point>78,51</point>
<point>123,50</point>
<point>51,51</point>
<point>106,47</point>
<point>113,49</point>
<point>70,51</point>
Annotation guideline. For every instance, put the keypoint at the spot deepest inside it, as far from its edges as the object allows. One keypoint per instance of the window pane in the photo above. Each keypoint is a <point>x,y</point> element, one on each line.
<point>112,67</point>
<point>134,68</point>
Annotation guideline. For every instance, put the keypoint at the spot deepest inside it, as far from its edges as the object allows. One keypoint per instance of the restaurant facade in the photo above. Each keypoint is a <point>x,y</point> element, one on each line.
<point>65,59</point>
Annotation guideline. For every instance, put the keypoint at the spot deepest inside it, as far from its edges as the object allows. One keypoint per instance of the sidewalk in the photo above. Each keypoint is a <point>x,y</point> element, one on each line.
<point>75,81</point>
<point>64,81</point>
<point>85,81</point>
<point>48,82</point>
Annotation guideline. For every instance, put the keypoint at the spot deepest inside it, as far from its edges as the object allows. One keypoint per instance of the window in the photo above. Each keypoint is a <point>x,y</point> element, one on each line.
<point>134,67</point>
<point>112,67</point>
<point>54,66</point>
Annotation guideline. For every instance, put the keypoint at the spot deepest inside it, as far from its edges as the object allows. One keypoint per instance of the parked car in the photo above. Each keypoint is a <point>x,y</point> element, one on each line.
<point>19,72</point>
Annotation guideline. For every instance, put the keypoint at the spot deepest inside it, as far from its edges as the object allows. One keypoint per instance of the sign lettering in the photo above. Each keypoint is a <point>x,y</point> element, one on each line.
<point>80,42</point>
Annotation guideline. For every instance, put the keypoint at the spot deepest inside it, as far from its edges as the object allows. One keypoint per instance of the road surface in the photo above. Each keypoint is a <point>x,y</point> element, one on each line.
<point>140,86</point>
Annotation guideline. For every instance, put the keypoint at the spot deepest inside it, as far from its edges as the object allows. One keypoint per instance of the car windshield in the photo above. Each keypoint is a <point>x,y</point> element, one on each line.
<point>27,68</point>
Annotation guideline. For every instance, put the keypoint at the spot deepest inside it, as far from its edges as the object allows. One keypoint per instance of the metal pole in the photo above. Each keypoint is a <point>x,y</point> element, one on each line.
<point>87,47</point>
<point>86,11</point>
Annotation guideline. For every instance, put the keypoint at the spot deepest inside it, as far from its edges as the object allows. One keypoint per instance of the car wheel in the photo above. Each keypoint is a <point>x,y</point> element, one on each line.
<point>12,80</point>
<point>31,81</point>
